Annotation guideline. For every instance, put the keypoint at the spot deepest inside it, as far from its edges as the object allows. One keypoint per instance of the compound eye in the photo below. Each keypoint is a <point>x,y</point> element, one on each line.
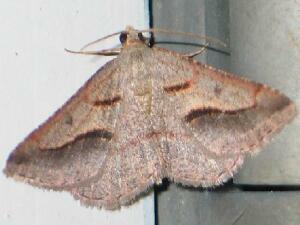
<point>123,37</point>
<point>141,37</point>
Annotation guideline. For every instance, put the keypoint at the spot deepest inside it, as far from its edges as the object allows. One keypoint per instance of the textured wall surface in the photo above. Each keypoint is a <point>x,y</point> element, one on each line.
<point>36,77</point>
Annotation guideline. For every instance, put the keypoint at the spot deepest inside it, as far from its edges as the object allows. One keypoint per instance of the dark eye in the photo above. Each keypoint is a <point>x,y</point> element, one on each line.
<point>123,37</point>
<point>141,37</point>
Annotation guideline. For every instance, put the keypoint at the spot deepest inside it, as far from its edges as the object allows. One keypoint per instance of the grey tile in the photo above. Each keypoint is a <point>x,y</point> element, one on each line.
<point>265,47</point>
<point>179,205</point>
<point>259,51</point>
<point>177,15</point>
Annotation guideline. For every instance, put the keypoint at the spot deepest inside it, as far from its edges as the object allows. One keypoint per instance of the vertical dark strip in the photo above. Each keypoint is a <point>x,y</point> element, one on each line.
<point>156,222</point>
<point>152,39</point>
<point>150,6</point>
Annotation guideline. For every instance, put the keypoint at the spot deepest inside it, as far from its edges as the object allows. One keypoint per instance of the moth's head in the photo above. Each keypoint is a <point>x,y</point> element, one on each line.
<point>130,36</point>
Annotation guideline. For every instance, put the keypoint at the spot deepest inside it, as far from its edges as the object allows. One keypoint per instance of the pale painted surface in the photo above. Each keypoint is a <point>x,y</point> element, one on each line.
<point>36,77</point>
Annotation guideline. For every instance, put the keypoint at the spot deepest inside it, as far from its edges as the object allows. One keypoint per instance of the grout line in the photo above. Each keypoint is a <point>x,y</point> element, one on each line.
<point>150,12</point>
<point>267,188</point>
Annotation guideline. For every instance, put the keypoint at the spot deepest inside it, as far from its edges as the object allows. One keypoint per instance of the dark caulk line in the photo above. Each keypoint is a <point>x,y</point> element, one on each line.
<point>178,87</point>
<point>195,113</point>
<point>108,101</point>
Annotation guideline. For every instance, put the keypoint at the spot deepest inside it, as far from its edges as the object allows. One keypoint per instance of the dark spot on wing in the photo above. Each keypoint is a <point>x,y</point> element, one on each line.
<point>153,134</point>
<point>68,119</point>
<point>195,113</point>
<point>107,101</point>
<point>90,135</point>
<point>217,90</point>
<point>178,87</point>
<point>17,158</point>
<point>97,134</point>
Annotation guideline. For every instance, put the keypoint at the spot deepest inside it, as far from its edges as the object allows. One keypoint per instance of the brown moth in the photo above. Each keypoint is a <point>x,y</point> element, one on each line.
<point>146,115</point>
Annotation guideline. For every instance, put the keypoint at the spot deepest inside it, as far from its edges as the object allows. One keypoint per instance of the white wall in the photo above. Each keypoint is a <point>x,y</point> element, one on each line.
<point>36,77</point>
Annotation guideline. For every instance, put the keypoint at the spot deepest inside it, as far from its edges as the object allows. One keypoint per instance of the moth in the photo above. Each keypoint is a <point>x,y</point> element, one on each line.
<point>149,114</point>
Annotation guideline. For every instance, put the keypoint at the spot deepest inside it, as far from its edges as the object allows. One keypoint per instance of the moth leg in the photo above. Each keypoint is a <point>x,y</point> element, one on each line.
<point>198,52</point>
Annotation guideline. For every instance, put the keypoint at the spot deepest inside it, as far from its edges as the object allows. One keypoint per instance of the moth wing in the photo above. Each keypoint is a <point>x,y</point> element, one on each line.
<point>71,146</point>
<point>214,118</point>
<point>218,142</point>
<point>128,173</point>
